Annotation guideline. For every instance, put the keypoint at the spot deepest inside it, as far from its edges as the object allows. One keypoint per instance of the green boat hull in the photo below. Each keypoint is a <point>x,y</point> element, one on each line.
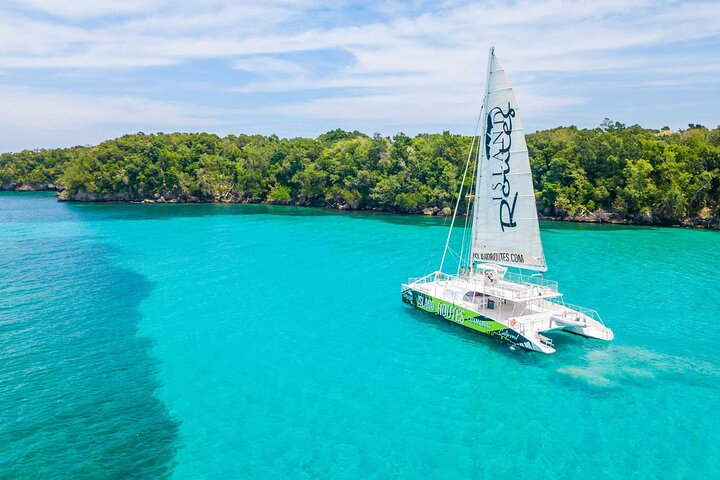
<point>463,316</point>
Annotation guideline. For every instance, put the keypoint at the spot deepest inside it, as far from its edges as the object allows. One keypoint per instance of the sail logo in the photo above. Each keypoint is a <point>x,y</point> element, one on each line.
<point>500,257</point>
<point>498,140</point>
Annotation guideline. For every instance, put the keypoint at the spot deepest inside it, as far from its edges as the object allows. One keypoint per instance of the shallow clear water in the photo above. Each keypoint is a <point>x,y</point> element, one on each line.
<point>270,342</point>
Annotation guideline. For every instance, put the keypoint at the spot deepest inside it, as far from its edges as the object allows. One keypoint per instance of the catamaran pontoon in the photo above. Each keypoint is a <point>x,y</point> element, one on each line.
<point>484,295</point>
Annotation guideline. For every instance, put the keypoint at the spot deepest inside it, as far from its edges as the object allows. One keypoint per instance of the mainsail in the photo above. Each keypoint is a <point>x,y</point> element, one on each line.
<point>505,227</point>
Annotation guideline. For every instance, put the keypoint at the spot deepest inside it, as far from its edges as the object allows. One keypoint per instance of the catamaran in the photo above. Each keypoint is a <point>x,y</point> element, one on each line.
<point>498,288</point>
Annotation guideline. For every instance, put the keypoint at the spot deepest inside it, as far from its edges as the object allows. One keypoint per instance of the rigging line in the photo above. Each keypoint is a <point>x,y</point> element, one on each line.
<point>454,254</point>
<point>472,200</point>
<point>430,255</point>
<point>462,243</point>
<point>480,185</point>
<point>467,208</point>
<point>462,184</point>
<point>470,195</point>
<point>483,109</point>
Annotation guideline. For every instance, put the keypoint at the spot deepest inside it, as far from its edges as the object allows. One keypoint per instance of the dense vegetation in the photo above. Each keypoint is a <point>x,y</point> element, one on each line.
<point>624,172</point>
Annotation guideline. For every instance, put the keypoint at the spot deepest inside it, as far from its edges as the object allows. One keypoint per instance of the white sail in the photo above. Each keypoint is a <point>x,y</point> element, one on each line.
<point>505,226</point>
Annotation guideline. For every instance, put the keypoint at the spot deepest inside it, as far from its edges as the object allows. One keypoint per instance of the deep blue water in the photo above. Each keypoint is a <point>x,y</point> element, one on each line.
<point>230,341</point>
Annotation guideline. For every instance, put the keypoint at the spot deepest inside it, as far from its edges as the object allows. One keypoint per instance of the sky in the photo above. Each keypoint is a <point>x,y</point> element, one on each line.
<point>76,72</point>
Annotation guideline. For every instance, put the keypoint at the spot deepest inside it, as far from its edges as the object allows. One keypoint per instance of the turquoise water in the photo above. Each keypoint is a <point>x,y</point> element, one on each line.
<point>230,341</point>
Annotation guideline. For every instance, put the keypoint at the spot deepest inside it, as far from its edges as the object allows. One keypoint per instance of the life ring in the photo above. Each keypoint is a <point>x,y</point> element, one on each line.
<point>512,322</point>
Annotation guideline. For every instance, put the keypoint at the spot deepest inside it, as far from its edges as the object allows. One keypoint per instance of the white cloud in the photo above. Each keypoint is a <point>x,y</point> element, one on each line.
<point>82,9</point>
<point>412,62</point>
<point>156,33</point>
<point>412,109</point>
<point>33,108</point>
<point>268,66</point>
<point>33,118</point>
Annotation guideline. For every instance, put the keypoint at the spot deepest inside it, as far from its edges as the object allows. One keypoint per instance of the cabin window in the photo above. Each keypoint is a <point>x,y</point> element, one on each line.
<point>474,297</point>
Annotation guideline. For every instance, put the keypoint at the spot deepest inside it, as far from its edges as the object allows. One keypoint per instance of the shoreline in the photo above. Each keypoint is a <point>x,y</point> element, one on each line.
<point>598,217</point>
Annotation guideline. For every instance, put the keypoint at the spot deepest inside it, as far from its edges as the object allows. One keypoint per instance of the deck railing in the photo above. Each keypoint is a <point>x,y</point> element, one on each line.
<point>545,340</point>
<point>532,280</point>
<point>431,277</point>
<point>535,283</point>
<point>585,311</point>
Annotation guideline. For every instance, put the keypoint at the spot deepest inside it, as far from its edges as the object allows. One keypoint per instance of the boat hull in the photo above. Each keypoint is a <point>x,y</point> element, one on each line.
<point>466,318</point>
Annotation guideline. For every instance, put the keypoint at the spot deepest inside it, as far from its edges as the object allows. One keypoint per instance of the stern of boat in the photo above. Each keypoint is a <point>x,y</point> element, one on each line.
<point>598,332</point>
<point>582,321</point>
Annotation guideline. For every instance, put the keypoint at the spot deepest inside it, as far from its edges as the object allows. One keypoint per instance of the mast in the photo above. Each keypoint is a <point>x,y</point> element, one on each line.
<point>480,165</point>
<point>481,118</point>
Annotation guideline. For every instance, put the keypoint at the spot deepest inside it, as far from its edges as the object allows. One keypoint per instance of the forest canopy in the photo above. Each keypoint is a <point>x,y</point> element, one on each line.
<point>627,171</point>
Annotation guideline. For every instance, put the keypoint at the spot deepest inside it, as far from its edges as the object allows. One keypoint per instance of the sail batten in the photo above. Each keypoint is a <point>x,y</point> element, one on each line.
<point>505,223</point>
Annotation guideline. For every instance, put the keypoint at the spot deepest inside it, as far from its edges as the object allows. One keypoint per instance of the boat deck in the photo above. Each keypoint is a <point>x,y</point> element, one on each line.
<point>527,307</point>
<point>495,302</point>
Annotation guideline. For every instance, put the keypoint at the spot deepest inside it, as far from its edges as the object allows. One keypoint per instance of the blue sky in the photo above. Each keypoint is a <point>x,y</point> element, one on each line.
<point>82,71</point>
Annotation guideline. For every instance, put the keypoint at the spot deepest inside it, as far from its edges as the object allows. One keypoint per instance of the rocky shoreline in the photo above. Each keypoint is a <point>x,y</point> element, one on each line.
<point>30,187</point>
<point>230,197</point>
<point>643,219</point>
<point>598,216</point>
